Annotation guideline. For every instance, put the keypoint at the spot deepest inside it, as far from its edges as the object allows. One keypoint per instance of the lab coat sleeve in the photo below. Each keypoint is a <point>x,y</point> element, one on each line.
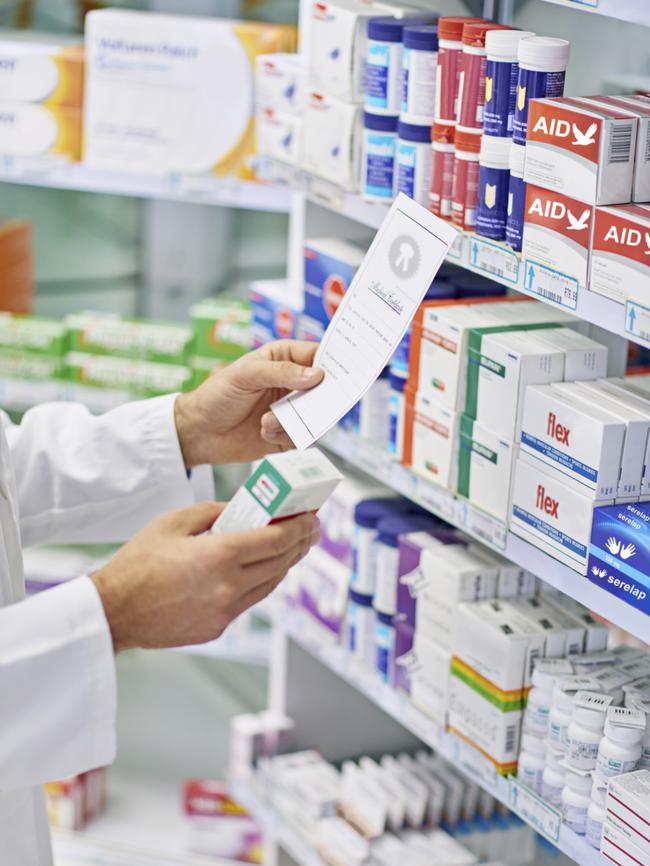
<point>57,673</point>
<point>82,478</point>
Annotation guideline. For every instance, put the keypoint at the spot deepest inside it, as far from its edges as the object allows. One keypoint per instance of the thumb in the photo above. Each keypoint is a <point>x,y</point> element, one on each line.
<point>283,374</point>
<point>193,520</point>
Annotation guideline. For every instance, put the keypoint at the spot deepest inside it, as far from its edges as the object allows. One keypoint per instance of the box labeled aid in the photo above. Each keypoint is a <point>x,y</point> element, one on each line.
<point>628,808</point>
<point>40,130</point>
<point>581,149</point>
<point>551,515</point>
<point>41,68</point>
<point>485,461</point>
<point>577,442</point>
<point>556,246</point>
<point>431,439</point>
<point>619,553</point>
<point>620,253</point>
<point>332,139</point>
<point>279,82</point>
<point>283,485</point>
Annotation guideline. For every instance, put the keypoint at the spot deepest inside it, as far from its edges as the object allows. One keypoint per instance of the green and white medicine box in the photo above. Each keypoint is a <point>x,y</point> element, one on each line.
<point>222,328</point>
<point>30,365</point>
<point>32,334</point>
<point>144,378</point>
<point>282,485</point>
<point>105,334</point>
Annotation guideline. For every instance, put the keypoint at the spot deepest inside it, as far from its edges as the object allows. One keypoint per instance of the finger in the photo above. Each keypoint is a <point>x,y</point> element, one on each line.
<point>256,595</point>
<point>284,375</point>
<point>299,351</point>
<point>193,520</point>
<point>258,545</point>
<point>254,575</point>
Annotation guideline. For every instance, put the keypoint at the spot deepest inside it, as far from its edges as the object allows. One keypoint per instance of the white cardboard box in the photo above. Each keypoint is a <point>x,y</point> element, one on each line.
<point>431,439</point>
<point>485,461</point>
<point>618,847</point>
<point>620,256</point>
<point>332,139</point>
<point>279,82</point>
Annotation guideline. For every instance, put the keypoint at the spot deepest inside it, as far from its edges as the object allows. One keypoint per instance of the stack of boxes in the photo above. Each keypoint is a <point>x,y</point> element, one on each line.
<point>31,347</point>
<point>279,83</point>
<point>41,96</point>
<point>627,816</point>
<point>221,329</point>
<point>16,266</point>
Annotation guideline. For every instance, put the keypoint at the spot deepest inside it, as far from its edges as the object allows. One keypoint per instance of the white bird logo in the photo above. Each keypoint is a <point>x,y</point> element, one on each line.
<point>583,139</point>
<point>647,243</point>
<point>576,225</point>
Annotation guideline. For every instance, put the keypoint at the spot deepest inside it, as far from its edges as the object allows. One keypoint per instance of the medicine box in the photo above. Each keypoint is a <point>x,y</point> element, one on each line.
<point>619,552</point>
<point>556,245</point>
<point>282,485</point>
<point>274,311</point>
<point>323,593</point>
<point>584,358</point>
<point>581,149</point>
<point>485,462</point>
<point>144,378</point>
<point>619,844</point>
<point>221,328</point>
<point>18,364</point>
<point>332,138</point>
<point>41,68</point>
<point>330,266</point>
<point>431,439</point>
<point>337,516</point>
<point>32,334</point>
<point>106,334</point>
<point>409,572</point>
<point>512,579</point>
<point>596,633</point>
<point>551,515</point>
<point>564,635</point>
<point>430,678</point>
<point>279,135</point>
<point>279,82</point>
<point>169,93</point>
<point>578,442</point>
<point>620,263</point>
<point>32,130</point>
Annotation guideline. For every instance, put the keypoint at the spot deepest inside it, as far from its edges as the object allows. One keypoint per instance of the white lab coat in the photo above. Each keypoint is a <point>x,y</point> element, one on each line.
<point>66,476</point>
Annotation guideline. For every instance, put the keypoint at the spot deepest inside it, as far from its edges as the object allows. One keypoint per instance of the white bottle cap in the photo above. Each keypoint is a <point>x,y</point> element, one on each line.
<point>581,782</point>
<point>546,671</point>
<point>495,151</point>
<point>590,709</point>
<point>517,158</point>
<point>625,726</point>
<point>503,44</point>
<point>545,53</point>
<point>532,744</point>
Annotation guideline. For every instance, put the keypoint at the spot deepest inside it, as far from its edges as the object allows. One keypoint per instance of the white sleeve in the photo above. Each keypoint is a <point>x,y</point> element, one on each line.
<point>85,478</point>
<point>57,672</point>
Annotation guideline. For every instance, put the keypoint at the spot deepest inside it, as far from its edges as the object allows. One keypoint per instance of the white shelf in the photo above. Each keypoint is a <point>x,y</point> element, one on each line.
<point>636,11</point>
<point>487,529</point>
<point>470,762</point>
<point>195,189</point>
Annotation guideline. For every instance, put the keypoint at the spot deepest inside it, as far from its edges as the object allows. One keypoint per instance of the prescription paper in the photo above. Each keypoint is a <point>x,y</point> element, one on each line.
<point>383,297</point>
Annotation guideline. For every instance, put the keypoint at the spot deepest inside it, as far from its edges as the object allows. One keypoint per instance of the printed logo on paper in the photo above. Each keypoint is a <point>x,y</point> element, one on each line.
<point>404,257</point>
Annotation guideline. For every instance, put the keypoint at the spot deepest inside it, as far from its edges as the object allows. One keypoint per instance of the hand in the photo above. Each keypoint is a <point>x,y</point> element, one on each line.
<point>222,420</point>
<point>171,585</point>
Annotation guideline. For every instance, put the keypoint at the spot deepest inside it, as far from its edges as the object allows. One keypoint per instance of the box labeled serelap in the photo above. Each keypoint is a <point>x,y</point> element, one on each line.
<point>41,68</point>
<point>620,253</point>
<point>556,246</point>
<point>105,334</point>
<point>619,552</point>
<point>330,266</point>
<point>282,485</point>
<point>581,149</point>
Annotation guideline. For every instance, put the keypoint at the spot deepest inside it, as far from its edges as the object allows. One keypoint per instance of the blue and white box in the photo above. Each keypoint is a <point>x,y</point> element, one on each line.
<point>274,311</point>
<point>330,266</point>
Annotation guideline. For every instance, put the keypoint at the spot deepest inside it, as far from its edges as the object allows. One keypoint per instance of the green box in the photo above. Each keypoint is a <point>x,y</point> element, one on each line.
<point>144,378</point>
<point>222,328</point>
<point>31,334</point>
<point>30,365</point>
<point>142,340</point>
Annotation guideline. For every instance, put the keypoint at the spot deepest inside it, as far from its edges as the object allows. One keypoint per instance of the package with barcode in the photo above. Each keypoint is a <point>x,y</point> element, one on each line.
<point>281,486</point>
<point>581,148</point>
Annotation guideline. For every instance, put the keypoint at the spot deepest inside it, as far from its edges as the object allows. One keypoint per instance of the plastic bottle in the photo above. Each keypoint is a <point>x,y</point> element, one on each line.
<point>494,178</point>
<point>450,53</point>
<point>540,697</point>
<point>360,628</point>
<point>387,557</point>
<point>553,778</point>
<point>542,65</point>
<point>596,812</point>
<point>531,763</point>
<point>471,87</point>
<point>384,645</point>
<point>396,415</point>
<point>561,708</point>
<point>644,706</point>
<point>585,730</point>
<point>442,172</point>
<point>419,69</point>
<point>384,65</point>
<point>516,198</point>
<point>379,149</point>
<point>576,797</point>
<point>501,76</point>
<point>367,515</point>
<point>414,157</point>
<point>465,182</point>
<point>621,747</point>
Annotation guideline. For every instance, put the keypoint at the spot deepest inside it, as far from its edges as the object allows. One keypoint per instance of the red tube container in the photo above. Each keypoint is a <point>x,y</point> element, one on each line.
<point>442,177</point>
<point>450,51</point>
<point>471,87</point>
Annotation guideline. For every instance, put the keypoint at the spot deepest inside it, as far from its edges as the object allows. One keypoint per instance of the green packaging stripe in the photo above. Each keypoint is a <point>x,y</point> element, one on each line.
<point>31,334</point>
<point>482,689</point>
<point>268,487</point>
<point>144,378</point>
<point>140,340</point>
<point>30,365</point>
<point>222,328</point>
<point>465,455</point>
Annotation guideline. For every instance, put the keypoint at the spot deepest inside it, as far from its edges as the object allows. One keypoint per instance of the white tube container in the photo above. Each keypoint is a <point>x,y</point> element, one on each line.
<point>586,729</point>
<point>553,778</point>
<point>501,76</point>
<point>414,161</point>
<point>542,64</point>
<point>596,812</point>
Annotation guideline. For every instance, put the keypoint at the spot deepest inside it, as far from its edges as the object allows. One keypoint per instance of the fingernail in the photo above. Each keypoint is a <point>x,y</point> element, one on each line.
<point>310,374</point>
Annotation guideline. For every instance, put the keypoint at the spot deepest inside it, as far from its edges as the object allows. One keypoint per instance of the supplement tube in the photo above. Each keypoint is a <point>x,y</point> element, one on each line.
<point>442,172</point>
<point>471,88</point>
<point>501,76</point>
<point>450,50</point>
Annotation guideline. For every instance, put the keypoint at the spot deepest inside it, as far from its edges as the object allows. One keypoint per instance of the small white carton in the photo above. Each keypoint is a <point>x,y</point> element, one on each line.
<point>279,82</point>
<point>596,633</point>
<point>282,485</point>
<point>620,263</point>
<point>577,442</point>
<point>584,358</point>
<point>430,678</point>
<point>332,139</point>
<point>485,461</point>
<point>618,844</point>
<point>551,515</point>
<point>431,439</point>
<point>564,635</point>
<point>628,808</point>
<point>279,135</point>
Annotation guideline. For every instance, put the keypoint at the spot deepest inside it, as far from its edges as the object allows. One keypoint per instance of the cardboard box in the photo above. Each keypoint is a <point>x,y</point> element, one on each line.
<point>168,93</point>
<point>282,485</point>
<point>579,443</point>
<point>619,558</point>
<point>332,140</point>
<point>32,334</point>
<point>430,678</point>
<point>431,434</point>
<point>274,311</point>
<point>628,808</point>
<point>618,847</point>
<point>106,334</point>
<point>556,245</point>
<point>30,365</point>
<point>222,328</point>
<point>279,135</point>
<point>40,130</point>
<point>584,358</point>
<point>620,267</point>
<point>279,82</point>
<point>551,515</point>
<point>512,579</point>
<point>41,68</point>
<point>596,633</point>
<point>581,149</point>
<point>144,378</point>
<point>564,635</point>
<point>485,462</point>
<point>330,266</point>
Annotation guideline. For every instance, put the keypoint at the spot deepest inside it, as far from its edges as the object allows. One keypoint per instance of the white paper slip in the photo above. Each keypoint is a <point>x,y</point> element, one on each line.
<point>374,314</point>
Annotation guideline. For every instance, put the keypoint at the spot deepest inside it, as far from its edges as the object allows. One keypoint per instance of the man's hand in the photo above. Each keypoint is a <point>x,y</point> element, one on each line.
<point>171,585</point>
<point>227,418</point>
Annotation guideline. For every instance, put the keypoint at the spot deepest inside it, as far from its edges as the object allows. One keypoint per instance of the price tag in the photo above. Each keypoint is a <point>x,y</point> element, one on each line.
<point>540,815</point>
<point>437,499</point>
<point>455,251</point>
<point>637,322</point>
<point>553,286</point>
<point>485,526</point>
<point>493,259</point>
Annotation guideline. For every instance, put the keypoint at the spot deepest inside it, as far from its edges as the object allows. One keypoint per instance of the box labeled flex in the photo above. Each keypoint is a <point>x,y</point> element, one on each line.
<point>556,246</point>
<point>620,256</point>
<point>581,149</point>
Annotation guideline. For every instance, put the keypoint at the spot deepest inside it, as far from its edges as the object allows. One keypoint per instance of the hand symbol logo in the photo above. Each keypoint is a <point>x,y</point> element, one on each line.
<point>613,545</point>
<point>628,551</point>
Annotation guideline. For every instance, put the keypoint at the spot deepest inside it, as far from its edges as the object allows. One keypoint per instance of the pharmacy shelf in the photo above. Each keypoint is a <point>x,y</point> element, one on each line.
<point>247,647</point>
<point>484,527</point>
<point>636,11</point>
<point>543,818</point>
<point>193,189</point>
